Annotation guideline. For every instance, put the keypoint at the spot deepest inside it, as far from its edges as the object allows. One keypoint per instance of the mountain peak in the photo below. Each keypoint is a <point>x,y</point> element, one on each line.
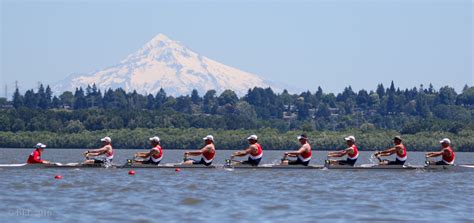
<point>160,38</point>
<point>165,63</point>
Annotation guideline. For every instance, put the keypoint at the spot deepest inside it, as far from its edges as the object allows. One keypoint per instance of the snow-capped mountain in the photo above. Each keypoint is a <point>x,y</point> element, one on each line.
<point>168,64</point>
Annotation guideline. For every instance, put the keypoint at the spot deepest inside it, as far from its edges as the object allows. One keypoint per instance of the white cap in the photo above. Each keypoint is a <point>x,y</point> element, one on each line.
<point>155,139</point>
<point>445,140</point>
<point>254,137</point>
<point>350,138</point>
<point>40,145</point>
<point>209,137</point>
<point>302,136</point>
<point>106,139</point>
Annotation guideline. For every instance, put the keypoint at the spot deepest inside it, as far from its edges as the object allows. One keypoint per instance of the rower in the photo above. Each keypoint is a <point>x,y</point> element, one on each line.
<point>104,155</point>
<point>303,154</point>
<point>399,149</point>
<point>446,152</point>
<point>254,151</point>
<point>153,156</point>
<point>351,151</point>
<point>208,152</point>
<point>35,156</point>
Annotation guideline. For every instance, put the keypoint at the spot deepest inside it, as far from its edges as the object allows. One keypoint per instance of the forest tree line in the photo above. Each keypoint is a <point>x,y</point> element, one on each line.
<point>84,111</point>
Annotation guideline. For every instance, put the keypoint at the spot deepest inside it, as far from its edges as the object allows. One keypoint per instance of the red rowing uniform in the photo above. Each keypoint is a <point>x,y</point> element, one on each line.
<point>355,155</point>
<point>404,156</point>
<point>157,157</point>
<point>449,159</point>
<point>259,153</point>
<point>208,156</point>
<point>306,155</point>
<point>35,157</point>
<point>109,155</point>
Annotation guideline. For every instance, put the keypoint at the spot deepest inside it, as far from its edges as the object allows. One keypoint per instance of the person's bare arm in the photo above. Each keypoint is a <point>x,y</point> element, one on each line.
<point>334,154</point>
<point>244,152</point>
<point>298,152</point>
<point>143,154</point>
<point>198,152</point>
<point>340,153</point>
<point>98,152</point>
<point>152,153</point>
<point>435,154</point>
<point>446,152</point>
<point>387,152</point>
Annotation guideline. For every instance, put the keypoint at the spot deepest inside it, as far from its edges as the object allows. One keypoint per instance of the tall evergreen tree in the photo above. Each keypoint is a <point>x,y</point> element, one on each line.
<point>79,99</point>
<point>31,99</point>
<point>195,98</point>
<point>160,98</point>
<point>17,99</point>
<point>380,90</point>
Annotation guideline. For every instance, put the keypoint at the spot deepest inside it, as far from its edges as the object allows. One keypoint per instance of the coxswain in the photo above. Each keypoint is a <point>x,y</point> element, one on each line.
<point>303,154</point>
<point>104,155</point>
<point>207,153</point>
<point>254,152</point>
<point>35,156</point>
<point>446,152</point>
<point>399,149</point>
<point>153,156</point>
<point>351,151</point>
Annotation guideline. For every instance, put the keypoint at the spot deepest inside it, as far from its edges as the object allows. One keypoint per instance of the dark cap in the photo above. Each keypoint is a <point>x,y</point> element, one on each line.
<point>397,138</point>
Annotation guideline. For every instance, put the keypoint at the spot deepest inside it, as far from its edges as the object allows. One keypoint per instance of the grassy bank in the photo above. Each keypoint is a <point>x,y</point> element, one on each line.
<point>191,138</point>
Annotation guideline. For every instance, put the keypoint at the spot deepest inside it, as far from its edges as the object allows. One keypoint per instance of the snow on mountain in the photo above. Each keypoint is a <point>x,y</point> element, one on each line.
<point>168,64</point>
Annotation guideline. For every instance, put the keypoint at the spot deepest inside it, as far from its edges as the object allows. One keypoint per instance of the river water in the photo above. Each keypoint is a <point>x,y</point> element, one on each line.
<point>218,195</point>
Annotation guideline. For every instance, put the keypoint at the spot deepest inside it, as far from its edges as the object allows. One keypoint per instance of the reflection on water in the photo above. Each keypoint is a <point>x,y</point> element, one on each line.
<point>218,195</point>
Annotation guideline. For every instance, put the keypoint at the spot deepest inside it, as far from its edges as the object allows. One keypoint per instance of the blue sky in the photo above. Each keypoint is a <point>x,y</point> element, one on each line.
<point>304,44</point>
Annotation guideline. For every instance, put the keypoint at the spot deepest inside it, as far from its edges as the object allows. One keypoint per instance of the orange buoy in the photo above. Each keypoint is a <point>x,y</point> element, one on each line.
<point>131,172</point>
<point>177,169</point>
<point>58,177</point>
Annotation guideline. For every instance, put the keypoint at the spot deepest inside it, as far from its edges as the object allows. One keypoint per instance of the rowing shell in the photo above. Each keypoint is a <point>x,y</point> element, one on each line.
<point>49,165</point>
<point>75,165</point>
<point>20,166</point>
<point>462,167</point>
<point>168,165</point>
<point>273,166</point>
<point>401,167</point>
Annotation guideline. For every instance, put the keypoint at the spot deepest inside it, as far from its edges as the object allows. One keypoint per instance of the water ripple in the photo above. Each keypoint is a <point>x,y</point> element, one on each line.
<point>233,196</point>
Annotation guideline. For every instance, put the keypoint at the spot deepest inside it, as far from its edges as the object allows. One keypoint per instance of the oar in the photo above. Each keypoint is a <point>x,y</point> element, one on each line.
<point>285,157</point>
<point>230,160</point>
<point>327,162</point>
<point>427,161</point>
<point>185,157</point>
<point>85,154</point>
<point>378,158</point>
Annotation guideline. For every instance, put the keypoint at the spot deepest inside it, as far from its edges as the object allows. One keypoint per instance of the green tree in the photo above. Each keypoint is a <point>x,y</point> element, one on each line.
<point>195,98</point>
<point>74,126</point>
<point>227,97</point>
<point>17,99</point>
<point>447,95</point>
<point>18,125</point>
<point>31,99</point>
<point>67,99</point>
<point>210,102</point>
<point>79,99</point>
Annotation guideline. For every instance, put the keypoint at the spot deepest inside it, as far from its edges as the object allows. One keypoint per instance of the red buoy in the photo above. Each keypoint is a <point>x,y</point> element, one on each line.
<point>131,172</point>
<point>177,169</point>
<point>58,177</point>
